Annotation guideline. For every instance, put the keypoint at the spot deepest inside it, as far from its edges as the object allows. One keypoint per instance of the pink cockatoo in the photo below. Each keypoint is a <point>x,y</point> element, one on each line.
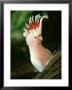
<point>39,56</point>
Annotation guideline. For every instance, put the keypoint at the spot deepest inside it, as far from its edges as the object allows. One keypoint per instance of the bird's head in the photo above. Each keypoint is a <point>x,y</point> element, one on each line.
<point>33,30</point>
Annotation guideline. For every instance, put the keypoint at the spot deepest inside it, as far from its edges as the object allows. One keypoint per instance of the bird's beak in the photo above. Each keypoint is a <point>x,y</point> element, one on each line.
<point>40,38</point>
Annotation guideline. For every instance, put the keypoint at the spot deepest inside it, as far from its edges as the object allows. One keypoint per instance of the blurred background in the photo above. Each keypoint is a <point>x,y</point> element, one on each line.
<point>21,67</point>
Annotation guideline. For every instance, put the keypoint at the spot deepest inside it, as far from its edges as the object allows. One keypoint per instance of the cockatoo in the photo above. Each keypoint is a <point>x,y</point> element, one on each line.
<point>39,56</point>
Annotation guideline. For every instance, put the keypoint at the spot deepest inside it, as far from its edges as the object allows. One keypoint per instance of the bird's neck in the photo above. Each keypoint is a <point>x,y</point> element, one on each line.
<point>35,47</point>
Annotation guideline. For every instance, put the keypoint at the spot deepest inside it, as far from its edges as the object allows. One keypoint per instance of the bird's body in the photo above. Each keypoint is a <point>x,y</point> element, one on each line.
<point>40,58</point>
